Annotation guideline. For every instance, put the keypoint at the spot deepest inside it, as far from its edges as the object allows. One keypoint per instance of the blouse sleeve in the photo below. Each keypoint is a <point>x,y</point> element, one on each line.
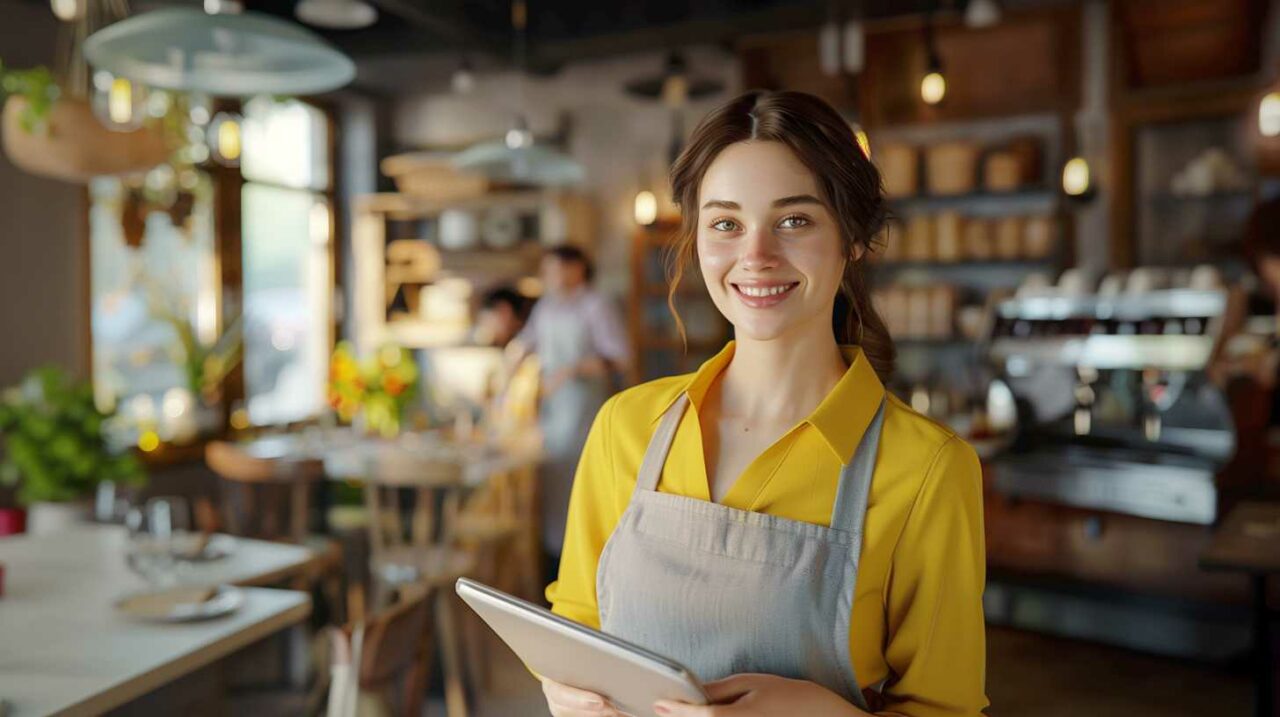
<point>936,647</point>
<point>592,517</point>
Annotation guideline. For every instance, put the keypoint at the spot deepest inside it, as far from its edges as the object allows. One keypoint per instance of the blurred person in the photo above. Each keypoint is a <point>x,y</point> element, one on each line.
<point>513,390</point>
<point>1246,366</point>
<point>503,312</point>
<point>802,540</point>
<point>580,343</point>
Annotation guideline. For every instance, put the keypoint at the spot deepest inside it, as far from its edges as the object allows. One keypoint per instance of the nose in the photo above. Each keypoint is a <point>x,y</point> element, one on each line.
<point>760,250</point>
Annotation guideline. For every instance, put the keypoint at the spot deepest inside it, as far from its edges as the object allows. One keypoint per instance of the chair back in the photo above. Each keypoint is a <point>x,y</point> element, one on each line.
<point>387,655</point>
<point>264,498</point>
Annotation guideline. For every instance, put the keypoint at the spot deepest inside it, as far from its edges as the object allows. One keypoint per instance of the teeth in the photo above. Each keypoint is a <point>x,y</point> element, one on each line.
<point>763,290</point>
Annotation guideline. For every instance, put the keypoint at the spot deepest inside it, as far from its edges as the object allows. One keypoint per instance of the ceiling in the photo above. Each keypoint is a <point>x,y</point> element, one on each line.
<point>560,31</point>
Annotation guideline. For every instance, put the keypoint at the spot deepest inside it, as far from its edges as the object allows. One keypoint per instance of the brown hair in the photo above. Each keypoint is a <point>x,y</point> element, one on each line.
<point>848,182</point>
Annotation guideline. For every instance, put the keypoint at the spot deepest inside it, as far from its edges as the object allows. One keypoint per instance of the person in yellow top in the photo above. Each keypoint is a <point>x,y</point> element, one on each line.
<point>802,540</point>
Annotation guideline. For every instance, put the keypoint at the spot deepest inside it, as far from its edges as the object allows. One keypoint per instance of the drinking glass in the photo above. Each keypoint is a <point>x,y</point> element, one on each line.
<point>155,530</point>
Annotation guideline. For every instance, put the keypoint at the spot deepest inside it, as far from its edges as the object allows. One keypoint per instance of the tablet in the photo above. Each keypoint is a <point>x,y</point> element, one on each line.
<point>632,677</point>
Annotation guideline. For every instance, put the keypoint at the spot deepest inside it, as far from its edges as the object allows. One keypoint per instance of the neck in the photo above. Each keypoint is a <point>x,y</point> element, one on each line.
<point>781,379</point>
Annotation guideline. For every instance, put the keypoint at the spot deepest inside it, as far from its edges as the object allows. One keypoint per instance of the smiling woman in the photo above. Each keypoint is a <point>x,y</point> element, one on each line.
<point>776,521</point>
<point>838,214</point>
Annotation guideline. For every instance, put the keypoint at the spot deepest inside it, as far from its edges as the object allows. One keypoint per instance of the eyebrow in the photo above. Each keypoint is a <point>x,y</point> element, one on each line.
<point>783,202</point>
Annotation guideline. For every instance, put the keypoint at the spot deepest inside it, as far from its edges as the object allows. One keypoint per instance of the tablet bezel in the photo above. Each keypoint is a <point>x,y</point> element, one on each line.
<point>469,589</point>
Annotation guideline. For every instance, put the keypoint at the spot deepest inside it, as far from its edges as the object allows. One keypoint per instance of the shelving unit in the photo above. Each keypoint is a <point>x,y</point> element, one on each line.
<point>950,358</point>
<point>382,307</point>
<point>657,345</point>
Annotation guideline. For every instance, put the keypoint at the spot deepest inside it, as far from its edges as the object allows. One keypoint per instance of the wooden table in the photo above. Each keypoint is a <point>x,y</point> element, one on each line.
<point>1248,541</point>
<point>348,455</point>
<point>65,650</point>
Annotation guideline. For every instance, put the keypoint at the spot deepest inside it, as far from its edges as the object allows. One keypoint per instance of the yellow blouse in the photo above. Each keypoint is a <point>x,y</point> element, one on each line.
<point>917,620</point>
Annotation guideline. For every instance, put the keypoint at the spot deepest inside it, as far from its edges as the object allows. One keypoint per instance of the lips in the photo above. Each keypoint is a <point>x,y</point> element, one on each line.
<point>761,295</point>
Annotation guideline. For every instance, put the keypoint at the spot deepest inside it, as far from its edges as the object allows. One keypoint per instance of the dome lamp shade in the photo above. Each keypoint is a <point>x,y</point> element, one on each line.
<point>226,55</point>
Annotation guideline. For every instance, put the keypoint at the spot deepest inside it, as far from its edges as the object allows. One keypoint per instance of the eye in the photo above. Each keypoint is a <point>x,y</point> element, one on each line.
<point>724,225</point>
<point>794,221</point>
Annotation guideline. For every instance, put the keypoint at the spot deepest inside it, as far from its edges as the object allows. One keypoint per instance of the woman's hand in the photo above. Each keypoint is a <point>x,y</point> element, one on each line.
<point>566,701</point>
<point>752,695</point>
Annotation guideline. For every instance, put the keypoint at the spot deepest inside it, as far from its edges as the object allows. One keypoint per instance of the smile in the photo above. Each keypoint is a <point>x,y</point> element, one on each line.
<point>763,295</point>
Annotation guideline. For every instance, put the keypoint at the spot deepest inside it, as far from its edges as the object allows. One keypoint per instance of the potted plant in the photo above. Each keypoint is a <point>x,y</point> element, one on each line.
<point>52,133</point>
<point>55,449</point>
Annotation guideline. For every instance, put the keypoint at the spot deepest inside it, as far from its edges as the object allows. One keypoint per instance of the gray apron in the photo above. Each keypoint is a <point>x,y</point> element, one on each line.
<point>726,591</point>
<point>564,417</point>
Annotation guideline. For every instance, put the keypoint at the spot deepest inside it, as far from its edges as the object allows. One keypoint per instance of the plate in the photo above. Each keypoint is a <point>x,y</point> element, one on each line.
<point>188,603</point>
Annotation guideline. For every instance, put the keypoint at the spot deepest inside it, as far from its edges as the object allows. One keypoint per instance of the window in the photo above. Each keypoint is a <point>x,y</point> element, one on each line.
<point>140,285</point>
<point>287,234</point>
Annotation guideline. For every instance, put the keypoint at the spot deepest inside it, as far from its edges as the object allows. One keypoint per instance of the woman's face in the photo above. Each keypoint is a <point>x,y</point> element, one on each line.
<point>770,251</point>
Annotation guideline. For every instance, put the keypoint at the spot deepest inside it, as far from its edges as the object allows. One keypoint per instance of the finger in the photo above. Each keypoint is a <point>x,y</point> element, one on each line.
<point>669,708</point>
<point>731,688</point>
<point>572,697</point>
<point>558,711</point>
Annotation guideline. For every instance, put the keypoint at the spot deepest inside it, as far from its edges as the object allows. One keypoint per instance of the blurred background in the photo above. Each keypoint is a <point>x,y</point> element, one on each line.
<point>267,271</point>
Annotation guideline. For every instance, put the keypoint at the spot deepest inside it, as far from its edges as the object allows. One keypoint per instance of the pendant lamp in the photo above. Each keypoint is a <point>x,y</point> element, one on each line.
<point>226,54</point>
<point>518,157</point>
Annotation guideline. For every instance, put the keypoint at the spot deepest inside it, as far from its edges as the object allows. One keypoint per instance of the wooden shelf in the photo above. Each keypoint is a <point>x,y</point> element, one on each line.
<point>984,264</point>
<point>401,206</point>
<point>920,342</point>
<point>1038,199</point>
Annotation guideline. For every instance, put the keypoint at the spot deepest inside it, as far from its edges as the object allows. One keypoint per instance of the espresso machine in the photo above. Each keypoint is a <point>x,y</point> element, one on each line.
<point>1112,466</point>
<point>1115,410</point>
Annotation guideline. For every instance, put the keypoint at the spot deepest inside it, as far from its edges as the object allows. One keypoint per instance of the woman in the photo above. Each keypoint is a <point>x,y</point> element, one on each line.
<point>744,536</point>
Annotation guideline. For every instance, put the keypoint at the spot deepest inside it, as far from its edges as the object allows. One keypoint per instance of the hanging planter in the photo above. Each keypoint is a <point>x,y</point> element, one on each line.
<point>70,143</point>
<point>73,123</point>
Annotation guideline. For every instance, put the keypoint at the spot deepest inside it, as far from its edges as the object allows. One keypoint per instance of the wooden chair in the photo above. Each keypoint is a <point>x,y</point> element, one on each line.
<point>495,524</point>
<point>263,498</point>
<point>382,664</point>
<point>426,556</point>
<point>270,499</point>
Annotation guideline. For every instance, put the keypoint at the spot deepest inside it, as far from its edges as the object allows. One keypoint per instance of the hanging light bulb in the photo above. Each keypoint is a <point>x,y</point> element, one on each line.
<point>336,14</point>
<point>225,138</point>
<point>464,79</point>
<point>1076,181</point>
<point>1269,115</point>
<point>67,10</point>
<point>119,104</point>
<point>933,86</point>
<point>829,48</point>
<point>982,13</point>
<point>675,83</point>
<point>646,209</point>
<point>519,136</point>
<point>855,47</point>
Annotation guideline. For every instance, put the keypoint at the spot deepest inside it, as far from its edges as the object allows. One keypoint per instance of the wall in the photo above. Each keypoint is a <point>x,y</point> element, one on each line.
<point>43,259</point>
<point>620,140</point>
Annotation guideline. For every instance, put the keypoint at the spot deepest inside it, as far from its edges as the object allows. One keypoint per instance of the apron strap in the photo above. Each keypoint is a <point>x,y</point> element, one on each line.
<point>850,506</point>
<point>660,445</point>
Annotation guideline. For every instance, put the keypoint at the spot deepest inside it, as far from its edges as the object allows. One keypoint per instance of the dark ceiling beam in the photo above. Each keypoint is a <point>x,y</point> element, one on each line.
<point>460,34</point>
<point>706,31</point>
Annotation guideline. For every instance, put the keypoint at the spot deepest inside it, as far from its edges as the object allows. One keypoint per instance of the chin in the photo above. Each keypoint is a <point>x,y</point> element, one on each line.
<point>762,328</point>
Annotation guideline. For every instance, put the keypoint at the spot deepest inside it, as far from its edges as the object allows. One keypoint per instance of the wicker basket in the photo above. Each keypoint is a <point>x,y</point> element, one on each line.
<point>951,168</point>
<point>898,169</point>
<point>74,146</point>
